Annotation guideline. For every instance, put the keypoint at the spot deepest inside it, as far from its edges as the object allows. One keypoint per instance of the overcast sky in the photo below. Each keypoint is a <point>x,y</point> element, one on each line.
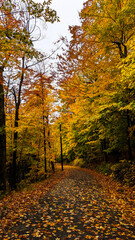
<point>67,10</point>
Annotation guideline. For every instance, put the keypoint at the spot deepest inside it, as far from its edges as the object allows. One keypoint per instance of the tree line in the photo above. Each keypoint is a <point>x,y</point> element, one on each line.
<point>25,90</point>
<point>97,91</point>
<point>84,111</point>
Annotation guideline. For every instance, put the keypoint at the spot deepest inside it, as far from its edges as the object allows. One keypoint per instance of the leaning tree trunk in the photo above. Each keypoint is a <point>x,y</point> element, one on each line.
<point>2,135</point>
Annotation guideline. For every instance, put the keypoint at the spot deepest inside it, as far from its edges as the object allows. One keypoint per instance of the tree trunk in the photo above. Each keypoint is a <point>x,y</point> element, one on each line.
<point>61,149</point>
<point>123,54</point>
<point>44,130</point>
<point>2,135</point>
<point>17,103</point>
<point>44,144</point>
<point>103,146</point>
<point>49,143</point>
<point>130,157</point>
<point>14,174</point>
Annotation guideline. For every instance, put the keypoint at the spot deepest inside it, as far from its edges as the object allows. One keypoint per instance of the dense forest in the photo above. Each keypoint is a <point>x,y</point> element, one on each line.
<point>83,111</point>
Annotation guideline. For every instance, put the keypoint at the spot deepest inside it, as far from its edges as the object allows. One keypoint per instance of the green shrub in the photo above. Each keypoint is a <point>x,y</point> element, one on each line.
<point>35,174</point>
<point>105,168</point>
<point>124,171</point>
<point>79,162</point>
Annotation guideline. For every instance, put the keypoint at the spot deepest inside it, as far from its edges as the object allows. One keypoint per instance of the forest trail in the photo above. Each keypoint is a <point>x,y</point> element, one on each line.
<point>76,207</point>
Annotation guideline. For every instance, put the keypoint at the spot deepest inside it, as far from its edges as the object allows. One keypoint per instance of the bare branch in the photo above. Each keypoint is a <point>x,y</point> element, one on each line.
<point>45,58</point>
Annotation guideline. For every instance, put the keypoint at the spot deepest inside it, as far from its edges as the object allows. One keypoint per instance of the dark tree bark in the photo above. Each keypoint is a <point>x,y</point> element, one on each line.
<point>44,128</point>
<point>123,54</point>
<point>130,157</point>
<point>17,106</point>
<point>104,147</point>
<point>14,174</point>
<point>122,49</point>
<point>61,149</point>
<point>52,164</point>
<point>48,137</point>
<point>2,135</point>
<point>44,135</point>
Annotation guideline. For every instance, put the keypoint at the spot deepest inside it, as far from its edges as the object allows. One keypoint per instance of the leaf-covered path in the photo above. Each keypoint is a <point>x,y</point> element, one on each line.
<point>75,208</point>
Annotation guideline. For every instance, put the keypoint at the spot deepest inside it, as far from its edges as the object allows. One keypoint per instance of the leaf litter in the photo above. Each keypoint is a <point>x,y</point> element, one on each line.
<point>75,205</point>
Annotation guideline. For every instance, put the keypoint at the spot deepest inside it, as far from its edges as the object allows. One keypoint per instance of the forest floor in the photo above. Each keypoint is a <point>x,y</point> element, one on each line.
<point>73,204</point>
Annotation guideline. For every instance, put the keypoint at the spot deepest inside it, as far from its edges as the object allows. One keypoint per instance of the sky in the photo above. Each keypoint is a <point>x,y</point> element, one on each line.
<point>67,10</point>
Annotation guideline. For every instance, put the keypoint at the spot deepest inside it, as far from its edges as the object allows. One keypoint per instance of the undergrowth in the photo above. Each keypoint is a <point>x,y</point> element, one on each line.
<point>123,171</point>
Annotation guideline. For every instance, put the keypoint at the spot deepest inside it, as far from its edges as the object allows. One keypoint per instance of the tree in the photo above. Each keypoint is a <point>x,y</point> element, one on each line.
<point>90,84</point>
<point>111,22</point>
<point>7,22</point>
<point>16,32</point>
<point>61,148</point>
<point>2,135</point>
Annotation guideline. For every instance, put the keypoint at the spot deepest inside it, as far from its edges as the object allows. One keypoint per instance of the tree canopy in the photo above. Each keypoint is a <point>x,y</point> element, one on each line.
<point>84,112</point>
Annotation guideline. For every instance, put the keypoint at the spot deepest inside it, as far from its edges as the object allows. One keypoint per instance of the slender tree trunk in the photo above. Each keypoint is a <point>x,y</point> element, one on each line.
<point>14,174</point>
<point>2,135</point>
<point>17,103</point>
<point>39,149</point>
<point>49,147</point>
<point>130,157</point>
<point>61,149</point>
<point>103,146</point>
<point>49,144</point>
<point>44,135</point>
<point>44,127</point>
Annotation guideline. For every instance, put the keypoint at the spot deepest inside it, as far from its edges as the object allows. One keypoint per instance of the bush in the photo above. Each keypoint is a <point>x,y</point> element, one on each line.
<point>105,168</point>
<point>124,171</point>
<point>35,174</point>
<point>79,162</point>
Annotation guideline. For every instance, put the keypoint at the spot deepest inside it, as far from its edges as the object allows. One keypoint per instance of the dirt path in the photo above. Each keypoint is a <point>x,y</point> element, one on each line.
<point>75,208</point>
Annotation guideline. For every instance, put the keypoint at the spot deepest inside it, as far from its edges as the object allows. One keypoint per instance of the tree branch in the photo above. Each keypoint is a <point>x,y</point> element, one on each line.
<point>45,58</point>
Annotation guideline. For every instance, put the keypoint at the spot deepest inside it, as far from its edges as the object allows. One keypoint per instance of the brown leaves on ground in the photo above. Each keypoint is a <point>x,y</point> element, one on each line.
<point>74,204</point>
<point>15,205</point>
<point>121,196</point>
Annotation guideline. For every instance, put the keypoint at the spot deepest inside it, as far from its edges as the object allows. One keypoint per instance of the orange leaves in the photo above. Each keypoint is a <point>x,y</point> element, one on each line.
<point>77,207</point>
<point>15,207</point>
<point>95,91</point>
<point>120,196</point>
